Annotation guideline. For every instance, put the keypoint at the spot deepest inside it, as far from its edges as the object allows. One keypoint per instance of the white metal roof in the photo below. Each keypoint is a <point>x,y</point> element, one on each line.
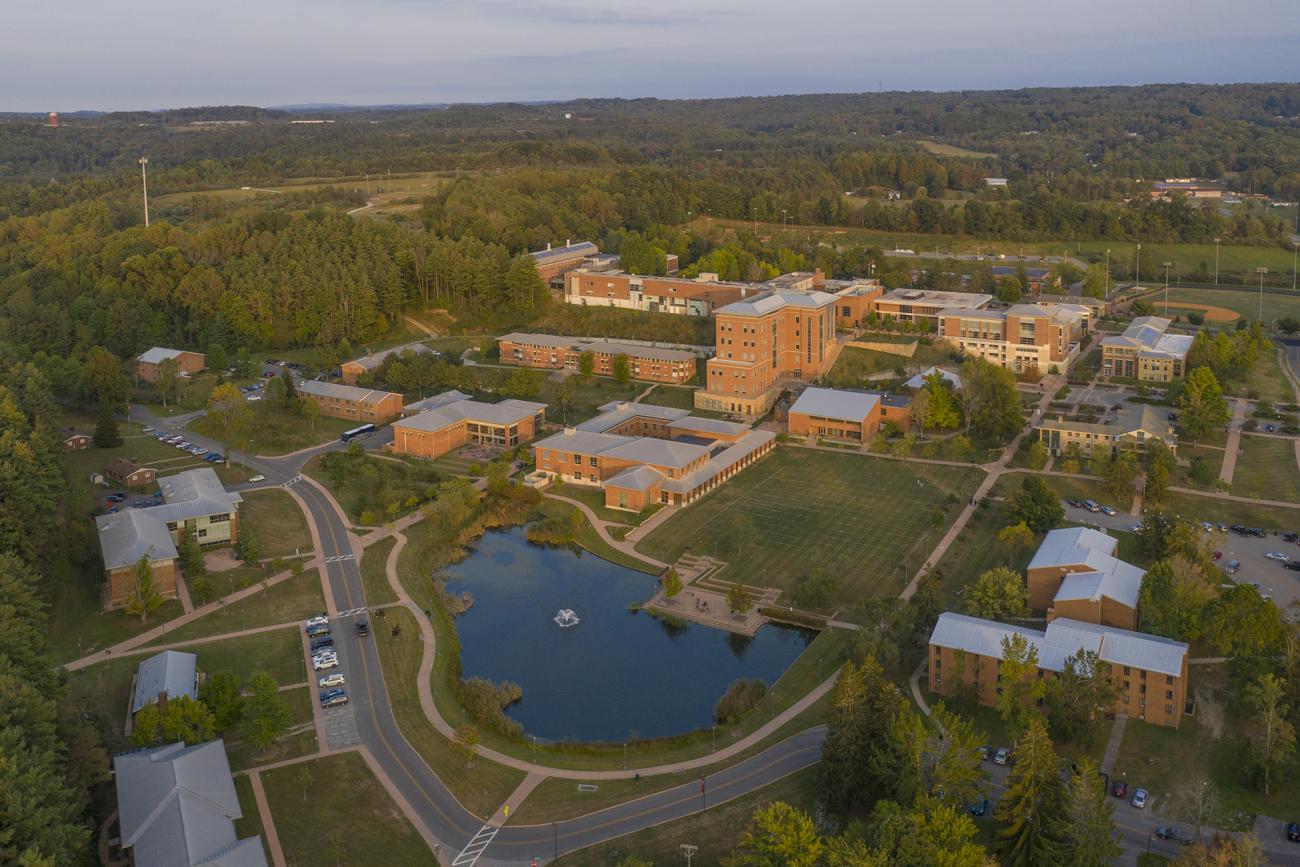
<point>935,298</point>
<point>1062,639</point>
<point>171,672</point>
<point>723,460</point>
<point>126,536</point>
<point>1069,545</point>
<point>662,453</point>
<point>373,360</point>
<point>507,412</point>
<point>616,412</point>
<point>708,426</point>
<point>343,392</point>
<point>835,403</point>
<point>158,354</point>
<point>636,479</point>
<point>763,304</point>
<point>435,401</point>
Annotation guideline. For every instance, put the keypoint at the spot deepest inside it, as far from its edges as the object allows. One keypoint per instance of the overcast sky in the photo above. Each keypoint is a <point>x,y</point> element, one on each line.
<point>66,55</point>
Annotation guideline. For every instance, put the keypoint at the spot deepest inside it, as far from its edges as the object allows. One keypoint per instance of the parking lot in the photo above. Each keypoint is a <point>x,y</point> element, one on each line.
<point>1273,579</point>
<point>340,721</point>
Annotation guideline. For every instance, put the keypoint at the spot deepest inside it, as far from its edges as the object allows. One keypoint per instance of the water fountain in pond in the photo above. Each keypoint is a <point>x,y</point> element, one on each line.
<point>566,617</point>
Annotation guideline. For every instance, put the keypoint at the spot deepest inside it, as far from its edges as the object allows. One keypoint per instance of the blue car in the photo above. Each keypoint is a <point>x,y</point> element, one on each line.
<point>980,807</point>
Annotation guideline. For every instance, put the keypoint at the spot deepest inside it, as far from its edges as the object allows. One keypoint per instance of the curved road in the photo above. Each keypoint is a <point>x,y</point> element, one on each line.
<point>372,722</point>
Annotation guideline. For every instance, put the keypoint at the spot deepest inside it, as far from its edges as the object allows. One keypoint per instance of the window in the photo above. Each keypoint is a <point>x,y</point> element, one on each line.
<point>1169,693</point>
<point>1169,710</point>
<point>937,679</point>
<point>592,459</point>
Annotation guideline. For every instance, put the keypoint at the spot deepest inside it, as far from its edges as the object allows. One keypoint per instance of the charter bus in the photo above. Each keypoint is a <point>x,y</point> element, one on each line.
<point>349,435</point>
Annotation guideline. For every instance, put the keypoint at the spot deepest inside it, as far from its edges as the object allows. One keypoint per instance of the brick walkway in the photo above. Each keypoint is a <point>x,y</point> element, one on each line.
<point>1233,446</point>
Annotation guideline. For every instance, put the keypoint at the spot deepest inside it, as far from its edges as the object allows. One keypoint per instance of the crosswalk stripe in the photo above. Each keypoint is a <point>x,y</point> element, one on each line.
<point>475,847</point>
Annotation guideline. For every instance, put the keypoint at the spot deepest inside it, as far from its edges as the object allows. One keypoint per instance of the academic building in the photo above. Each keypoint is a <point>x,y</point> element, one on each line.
<point>1022,338</point>
<point>552,352</point>
<point>456,420</point>
<point>686,297</point>
<point>761,343</point>
<point>924,305</point>
<point>1150,672</point>
<point>1075,574</point>
<point>1133,426</point>
<point>350,401</point>
<point>846,416</point>
<point>1146,352</point>
<point>640,454</point>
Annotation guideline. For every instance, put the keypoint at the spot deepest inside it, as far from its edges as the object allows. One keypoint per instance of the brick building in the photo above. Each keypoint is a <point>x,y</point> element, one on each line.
<point>553,263</point>
<point>648,363</point>
<point>1146,352</point>
<point>372,361</point>
<point>349,401</point>
<point>1133,426</point>
<point>640,454</point>
<point>849,416</point>
<point>74,440</point>
<point>924,305</point>
<point>763,342</point>
<point>1036,279</point>
<point>1075,574</point>
<point>148,363</point>
<point>1150,672</point>
<point>126,472</point>
<point>687,297</point>
<point>1022,338</point>
<point>439,429</point>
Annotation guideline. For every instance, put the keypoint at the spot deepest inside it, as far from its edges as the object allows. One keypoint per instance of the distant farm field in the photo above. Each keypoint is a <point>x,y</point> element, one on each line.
<point>867,521</point>
<point>946,150</point>
<point>413,184</point>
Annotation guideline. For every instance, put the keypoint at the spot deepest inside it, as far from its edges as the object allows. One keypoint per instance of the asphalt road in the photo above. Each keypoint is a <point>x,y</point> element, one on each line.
<point>446,819</point>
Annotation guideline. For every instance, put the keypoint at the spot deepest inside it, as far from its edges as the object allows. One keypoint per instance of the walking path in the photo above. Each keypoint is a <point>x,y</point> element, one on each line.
<point>424,689</point>
<point>636,534</point>
<point>522,791</point>
<point>917,694</point>
<point>1233,446</point>
<point>600,527</point>
<point>1112,745</point>
<point>269,834</point>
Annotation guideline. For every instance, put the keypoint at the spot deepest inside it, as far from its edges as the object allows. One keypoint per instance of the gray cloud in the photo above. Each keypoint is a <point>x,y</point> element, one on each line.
<point>72,54</point>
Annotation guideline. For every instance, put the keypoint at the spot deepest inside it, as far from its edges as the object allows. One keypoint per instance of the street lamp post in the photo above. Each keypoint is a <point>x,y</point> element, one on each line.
<point>1216,260</point>
<point>1261,272</point>
<point>1137,267</point>
<point>1107,266</point>
<point>1295,260</point>
<point>144,185</point>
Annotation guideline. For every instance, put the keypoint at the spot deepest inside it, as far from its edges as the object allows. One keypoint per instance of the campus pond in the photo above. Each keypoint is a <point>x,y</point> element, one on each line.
<point>618,674</point>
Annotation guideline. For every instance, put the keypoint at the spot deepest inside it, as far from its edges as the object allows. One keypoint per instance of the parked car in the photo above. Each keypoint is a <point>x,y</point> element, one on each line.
<point>1002,756</point>
<point>324,662</point>
<point>1107,510</point>
<point>1232,567</point>
<point>363,628</point>
<point>1077,504</point>
<point>116,497</point>
<point>1269,428</point>
<point>1293,565</point>
<point>1140,798</point>
<point>147,430</point>
<point>985,751</point>
<point>980,807</point>
<point>1218,555</point>
<point>258,478</point>
<point>334,700</point>
<point>330,693</point>
<point>1293,832</point>
<point>1257,532</point>
<point>1290,537</point>
<point>1091,506</point>
<point>329,680</point>
<point>318,630</point>
<point>1173,416</point>
<point>1277,556</point>
<point>1119,788</point>
<point>318,620</point>
<point>1173,832</point>
<point>1239,529</point>
<point>321,643</point>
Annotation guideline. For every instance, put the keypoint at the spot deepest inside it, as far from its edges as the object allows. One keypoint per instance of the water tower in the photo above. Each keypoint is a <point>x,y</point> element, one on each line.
<point>54,118</point>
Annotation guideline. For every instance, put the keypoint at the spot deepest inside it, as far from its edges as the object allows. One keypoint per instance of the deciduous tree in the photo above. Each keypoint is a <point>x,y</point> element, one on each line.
<point>778,835</point>
<point>1204,407</point>
<point>265,714</point>
<point>1035,505</point>
<point>143,597</point>
<point>997,594</point>
<point>1016,538</point>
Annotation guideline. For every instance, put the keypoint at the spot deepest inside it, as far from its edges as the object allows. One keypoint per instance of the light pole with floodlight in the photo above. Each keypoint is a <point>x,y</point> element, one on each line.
<point>1137,268</point>
<point>1107,266</point>
<point>1216,260</point>
<point>1167,267</point>
<point>144,185</point>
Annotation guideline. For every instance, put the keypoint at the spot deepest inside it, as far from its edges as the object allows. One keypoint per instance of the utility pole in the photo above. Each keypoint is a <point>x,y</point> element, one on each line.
<point>1107,266</point>
<point>1216,260</point>
<point>1166,286</point>
<point>144,184</point>
<point>1261,272</point>
<point>1137,267</point>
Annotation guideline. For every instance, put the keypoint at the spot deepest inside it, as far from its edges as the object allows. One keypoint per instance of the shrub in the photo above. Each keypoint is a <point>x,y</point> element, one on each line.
<point>739,699</point>
<point>486,703</point>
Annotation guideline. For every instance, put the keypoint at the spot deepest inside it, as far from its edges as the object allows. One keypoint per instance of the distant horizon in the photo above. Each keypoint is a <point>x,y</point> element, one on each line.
<point>325,105</point>
<point>85,56</point>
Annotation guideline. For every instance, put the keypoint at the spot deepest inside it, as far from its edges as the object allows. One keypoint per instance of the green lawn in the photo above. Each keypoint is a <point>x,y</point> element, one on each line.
<point>291,600</point>
<point>333,809</point>
<point>299,741</point>
<point>1194,508</point>
<point>587,396</point>
<point>277,521</point>
<point>481,789</point>
<point>374,576</point>
<point>854,364</point>
<point>383,487</point>
<point>250,824</point>
<point>975,551</point>
<point>672,395</point>
<point>138,447</point>
<point>1182,476</point>
<point>1208,746</point>
<point>1067,489</point>
<point>277,431</point>
<point>594,498</point>
<point>78,623</point>
<point>587,537</point>
<point>1267,470</point>
<point>868,520</point>
<point>716,831</point>
<point>1244,303</point>
<point>103,690</point>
